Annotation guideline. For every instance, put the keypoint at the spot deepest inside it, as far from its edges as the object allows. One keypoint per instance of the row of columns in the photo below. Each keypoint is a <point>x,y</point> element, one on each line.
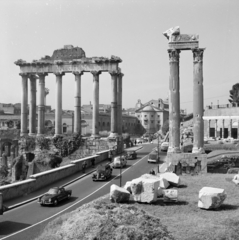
<point>116,103</point>
<point>223,127</point>
<point>174,98</point>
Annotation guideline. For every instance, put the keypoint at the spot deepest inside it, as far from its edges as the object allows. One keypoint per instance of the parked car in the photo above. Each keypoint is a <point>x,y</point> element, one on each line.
<point>54,196</point>
<point>164,146</point>
<point>131,155</point>
<point>119,161</point>
<point>103,172</point>
<point>153,158</point>
<point>139,140</point>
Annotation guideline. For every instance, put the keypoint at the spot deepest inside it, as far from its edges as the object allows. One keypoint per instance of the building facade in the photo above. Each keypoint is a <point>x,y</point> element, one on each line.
<point>221,121</point>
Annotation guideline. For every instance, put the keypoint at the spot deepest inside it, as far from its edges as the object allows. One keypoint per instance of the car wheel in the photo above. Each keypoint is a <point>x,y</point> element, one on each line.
<point>68,196</point>
<point>55,202</point>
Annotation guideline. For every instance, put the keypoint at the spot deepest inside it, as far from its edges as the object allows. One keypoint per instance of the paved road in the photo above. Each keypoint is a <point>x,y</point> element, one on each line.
<point>28,221</point>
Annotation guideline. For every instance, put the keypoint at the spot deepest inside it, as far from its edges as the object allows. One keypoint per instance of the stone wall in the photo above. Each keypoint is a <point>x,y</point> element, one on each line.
<point>40,180</point>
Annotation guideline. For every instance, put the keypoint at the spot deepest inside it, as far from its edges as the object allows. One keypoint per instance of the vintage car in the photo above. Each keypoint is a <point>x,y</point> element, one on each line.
<point>54,196</point>
<point>103,172</point>
<point>119,161</point>
<point>153,158</point>
<point>131,155</point>
<point>164,146</point>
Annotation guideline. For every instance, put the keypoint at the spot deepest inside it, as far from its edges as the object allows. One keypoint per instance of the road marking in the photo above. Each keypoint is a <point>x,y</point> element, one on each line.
<point>71,205</point>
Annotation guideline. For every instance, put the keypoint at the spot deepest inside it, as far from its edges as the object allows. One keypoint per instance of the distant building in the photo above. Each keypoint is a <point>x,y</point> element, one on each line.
<point>221,121</point>
<point>151,115</point>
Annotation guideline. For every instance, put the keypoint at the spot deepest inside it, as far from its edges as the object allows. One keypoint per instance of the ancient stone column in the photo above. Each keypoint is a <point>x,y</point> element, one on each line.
<point>113,126</point>
<point>95,113</point>
<point>32,109</point>
<point>174,101</point>
<point>41,106</point>
<point>58,111</point>
<point>230,128</point>
<point>119,103</point>
<point>24,110</point>
<point>198,125</point>
<point>215,133</point>
<point>77,114</point>
<point>223,127</point>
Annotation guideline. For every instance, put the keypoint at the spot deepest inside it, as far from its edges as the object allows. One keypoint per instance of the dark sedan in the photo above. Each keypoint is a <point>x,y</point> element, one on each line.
<point>54,196</point>
<point>131,155</point>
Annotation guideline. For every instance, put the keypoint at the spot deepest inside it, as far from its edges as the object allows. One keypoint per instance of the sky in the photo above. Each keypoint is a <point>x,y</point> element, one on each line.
<point>129,29</point>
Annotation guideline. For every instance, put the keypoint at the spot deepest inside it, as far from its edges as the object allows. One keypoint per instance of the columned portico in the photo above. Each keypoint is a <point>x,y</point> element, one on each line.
<point>77,114</point>
<point>95,115</point>
<point>174,101</point>
<point>58,111</point>
<point>198,126</point>
<point>41,106</point>
<point>24,110</point>
<point>113,127</point>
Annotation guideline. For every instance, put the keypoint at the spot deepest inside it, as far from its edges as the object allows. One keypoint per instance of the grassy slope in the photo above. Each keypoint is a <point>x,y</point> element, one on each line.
<point>185,220</point>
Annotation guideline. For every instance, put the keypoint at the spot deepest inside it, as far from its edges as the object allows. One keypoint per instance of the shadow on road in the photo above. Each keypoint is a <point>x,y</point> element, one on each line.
<point>9,227</point>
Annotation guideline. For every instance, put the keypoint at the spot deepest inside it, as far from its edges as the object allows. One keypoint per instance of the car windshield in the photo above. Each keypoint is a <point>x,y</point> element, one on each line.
<point>153,156</point>
<point>52,191</point>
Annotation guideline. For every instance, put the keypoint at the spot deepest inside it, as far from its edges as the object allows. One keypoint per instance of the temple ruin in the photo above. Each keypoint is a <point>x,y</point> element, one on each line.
<point>196,159</point>
<point>69,60</point>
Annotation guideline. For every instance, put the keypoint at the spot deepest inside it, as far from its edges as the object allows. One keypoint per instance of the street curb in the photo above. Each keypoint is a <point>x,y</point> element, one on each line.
<point>35,198</point>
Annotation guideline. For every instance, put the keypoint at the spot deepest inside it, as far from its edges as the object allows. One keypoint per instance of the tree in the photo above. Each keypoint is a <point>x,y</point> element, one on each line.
<point>234,94</point>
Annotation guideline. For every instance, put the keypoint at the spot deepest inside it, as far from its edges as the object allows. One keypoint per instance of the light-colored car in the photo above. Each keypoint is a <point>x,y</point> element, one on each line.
<point>153,158</point>
<point>119,161</point>
<point>164,146</point>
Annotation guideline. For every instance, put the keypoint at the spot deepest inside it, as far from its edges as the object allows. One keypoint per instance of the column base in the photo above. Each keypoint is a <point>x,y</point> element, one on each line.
<point>113,135</point>
<point>23,134</point>
<point>95,136</point>
<point>174,150</point>
<point>198,150</point>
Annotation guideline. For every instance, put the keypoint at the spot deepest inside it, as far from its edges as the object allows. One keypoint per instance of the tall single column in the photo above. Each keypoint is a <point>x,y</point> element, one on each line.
<point>198,125</point>
<point>58,111</point>
<point>77,113</point>
<point>95,115</point>
<point>32,109</point>
<point>119,103</point>
<point>223,127</point>
<point>215,133</point>
<point>113,126</point>
<point>41,106</point>
<point>208,131</point>
<point>24,110</point>
<point>230,128</point>
<point>174,101</point>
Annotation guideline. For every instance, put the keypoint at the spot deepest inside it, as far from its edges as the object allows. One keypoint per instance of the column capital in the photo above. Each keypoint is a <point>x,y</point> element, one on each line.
<point>23,74</point>
<point>96,73</point>
<point>174,55</point>
<point>41,75</point>
<point>32,76</point>
<point>58,74</point>
<point>114,73</point>
<point>78,73</point>
<point>198,54</point>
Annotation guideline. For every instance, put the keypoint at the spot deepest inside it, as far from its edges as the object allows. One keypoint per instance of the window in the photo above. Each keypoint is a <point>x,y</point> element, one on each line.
<point>145,122</point>
<point>145,115</point>
<point>152,121</point>
<point>64,128</point>
<point>152,115</point>
<point>103,124</point>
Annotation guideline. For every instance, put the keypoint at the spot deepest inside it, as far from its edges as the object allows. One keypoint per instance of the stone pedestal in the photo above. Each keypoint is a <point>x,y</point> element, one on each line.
<point>77,114</point>
<point>95,115</point>
<point>24,110</point>
<point>174,102</point>
<point>198,128</point>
